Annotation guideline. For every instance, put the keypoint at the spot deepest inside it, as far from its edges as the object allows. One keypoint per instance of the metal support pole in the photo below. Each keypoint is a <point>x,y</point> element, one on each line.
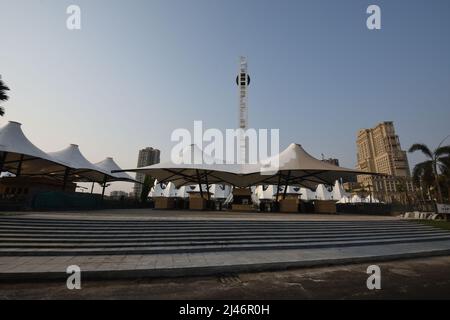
<point>278,187</point>
<point>2,161</point>
<point>207,186</point>
<point>92,188</point>
<point>286,186</point>
<point>66,176</point>
<point>19,167</point>
<point>199,184</point>
<point>104,187</point>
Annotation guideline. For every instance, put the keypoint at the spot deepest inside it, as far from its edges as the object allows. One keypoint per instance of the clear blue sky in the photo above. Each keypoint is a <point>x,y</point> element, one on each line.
<point>140,69</point>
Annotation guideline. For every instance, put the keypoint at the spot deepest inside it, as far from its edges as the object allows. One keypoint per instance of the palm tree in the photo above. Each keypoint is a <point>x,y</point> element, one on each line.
<point>436,159</point>
<point>3,96</point>
<point>402,189</point>
<point>445,170</point>
<point>423,177</point>
<point>146,187</point>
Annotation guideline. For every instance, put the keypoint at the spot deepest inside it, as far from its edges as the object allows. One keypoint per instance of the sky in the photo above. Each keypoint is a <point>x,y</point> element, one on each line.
<point>137,70</point>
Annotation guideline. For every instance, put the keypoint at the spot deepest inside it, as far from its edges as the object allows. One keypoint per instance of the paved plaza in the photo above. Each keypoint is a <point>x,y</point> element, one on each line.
<point>423,278</point>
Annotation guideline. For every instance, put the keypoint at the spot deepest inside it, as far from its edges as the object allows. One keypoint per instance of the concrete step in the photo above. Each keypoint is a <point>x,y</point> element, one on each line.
<point>209,236</point>
<point>48,221</point>
<point>212,248</point>
<point>200,226</point>
<point>31,236</point>
<point>180,224</point>
<point>198,242</point>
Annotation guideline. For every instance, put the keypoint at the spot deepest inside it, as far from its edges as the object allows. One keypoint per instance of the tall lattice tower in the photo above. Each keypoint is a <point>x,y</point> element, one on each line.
<point>243,81</point>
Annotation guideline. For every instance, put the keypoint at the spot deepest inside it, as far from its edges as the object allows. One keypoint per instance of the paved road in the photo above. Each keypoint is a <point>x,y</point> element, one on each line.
<point>427,278</point>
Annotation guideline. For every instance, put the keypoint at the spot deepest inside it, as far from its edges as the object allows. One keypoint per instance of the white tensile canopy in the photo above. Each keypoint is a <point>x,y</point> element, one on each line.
<point>356,199</point>
<point>307,194</point>
<point>296,168</point>
<point>181,192</point>
<point>338,191</point>
<point>322,193</point>
<point>220,191</point>
<point>344,199</point>
<point>190,174</point>
<point>21,157</point>
<point>79,168</point>
<point>108,165</point>
<point>166,190</point>
<point>196,188</point>
<point>265,192</point>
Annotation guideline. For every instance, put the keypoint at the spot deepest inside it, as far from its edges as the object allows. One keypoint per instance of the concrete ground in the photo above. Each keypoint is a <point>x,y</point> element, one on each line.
<point>425,278</point>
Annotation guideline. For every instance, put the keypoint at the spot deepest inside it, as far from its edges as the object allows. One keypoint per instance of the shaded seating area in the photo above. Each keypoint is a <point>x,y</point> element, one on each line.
<point>28,171</point>
<point>296,168</point>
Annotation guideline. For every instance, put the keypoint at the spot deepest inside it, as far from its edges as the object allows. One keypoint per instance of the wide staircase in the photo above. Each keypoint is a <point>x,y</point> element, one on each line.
<point>49,237</point>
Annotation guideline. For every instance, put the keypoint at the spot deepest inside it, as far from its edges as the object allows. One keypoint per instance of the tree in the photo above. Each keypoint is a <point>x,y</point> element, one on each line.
<point>3,95</point>
<point>402,188</point>
<point>146,187</point>
<point>423,177</point>
<point>436,159</point>
<point>445,176</point>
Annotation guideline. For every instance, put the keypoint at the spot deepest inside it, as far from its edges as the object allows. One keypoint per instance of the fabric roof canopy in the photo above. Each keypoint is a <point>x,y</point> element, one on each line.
<point>108,165</point>
<point>20,156</point>
<point>296,168</point>
<point>189,174</point>
<point>80,169</point>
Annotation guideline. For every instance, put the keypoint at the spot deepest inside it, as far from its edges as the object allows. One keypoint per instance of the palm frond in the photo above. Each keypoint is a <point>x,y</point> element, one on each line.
<point>444,166</point>
<point>442,151</point>
<point>3,89</point>
<point>421,147</point>
<point>423,171</point>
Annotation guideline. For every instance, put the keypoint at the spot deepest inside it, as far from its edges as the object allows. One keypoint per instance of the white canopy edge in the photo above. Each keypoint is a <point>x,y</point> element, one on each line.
<point>17,147</point>
<point>295,164</point>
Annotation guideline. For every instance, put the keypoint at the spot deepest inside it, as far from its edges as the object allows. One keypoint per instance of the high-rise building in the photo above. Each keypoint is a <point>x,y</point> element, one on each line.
<point>333,161</point>
<point>117,195</point>
<point>147,157</point>
<point>379,151</point>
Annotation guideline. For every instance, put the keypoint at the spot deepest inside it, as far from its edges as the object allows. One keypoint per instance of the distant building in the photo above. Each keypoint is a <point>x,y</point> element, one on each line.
<point>146,157</point>
<point>332,161</point>
<point>117,195</point>
<point>379,151</point>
